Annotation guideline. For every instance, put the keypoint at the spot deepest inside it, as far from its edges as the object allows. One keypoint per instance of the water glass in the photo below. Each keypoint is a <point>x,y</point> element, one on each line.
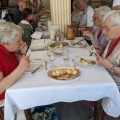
<point>51,57</point>
<point>66,56</point>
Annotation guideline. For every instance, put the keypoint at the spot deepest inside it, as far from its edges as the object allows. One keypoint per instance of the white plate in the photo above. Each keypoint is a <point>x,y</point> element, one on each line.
<point>76,46</point>
<point>63,81</point>
<point>43,20</point>
<point>91,58</point>
<point>34,64</point>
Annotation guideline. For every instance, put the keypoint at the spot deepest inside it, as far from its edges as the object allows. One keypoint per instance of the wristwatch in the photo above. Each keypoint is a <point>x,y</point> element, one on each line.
<point>112,68</point>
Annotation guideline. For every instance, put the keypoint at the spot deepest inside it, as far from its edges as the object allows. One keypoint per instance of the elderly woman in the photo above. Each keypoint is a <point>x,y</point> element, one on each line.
<point>76,15</point>
<point>96,36</point>
<point>111,55</point>
<point>12,66</point>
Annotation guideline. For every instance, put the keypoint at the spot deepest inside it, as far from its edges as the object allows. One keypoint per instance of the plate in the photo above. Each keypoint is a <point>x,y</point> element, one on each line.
<point>80,44</point>
<point>65,78</point>
<point>43,20</point>
<point>58,47</point>
<point>44,17</point>
<point>34,64</point>
<point>90,62</point>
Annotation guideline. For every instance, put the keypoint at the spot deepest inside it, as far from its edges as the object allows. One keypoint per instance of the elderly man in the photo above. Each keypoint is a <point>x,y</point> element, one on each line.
<point>86,20</point>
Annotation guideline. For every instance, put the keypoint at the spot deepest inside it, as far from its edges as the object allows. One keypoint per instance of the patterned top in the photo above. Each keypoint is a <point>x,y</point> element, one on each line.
<point>76,16</point>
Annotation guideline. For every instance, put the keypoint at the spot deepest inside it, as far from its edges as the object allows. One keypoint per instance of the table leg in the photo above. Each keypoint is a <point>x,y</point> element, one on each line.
<point>28,114</point>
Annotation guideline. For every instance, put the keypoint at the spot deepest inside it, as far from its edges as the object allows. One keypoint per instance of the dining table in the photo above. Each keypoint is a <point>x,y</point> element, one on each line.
<point>38,89</point>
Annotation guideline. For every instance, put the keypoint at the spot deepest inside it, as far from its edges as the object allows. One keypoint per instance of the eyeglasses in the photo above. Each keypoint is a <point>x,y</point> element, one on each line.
<point>107,28</point>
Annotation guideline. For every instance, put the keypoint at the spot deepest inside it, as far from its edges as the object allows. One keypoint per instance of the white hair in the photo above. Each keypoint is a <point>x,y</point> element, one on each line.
<point>87,1</point>
<point>114,16</point>
<point>9,32</point>
<point>103,10</point>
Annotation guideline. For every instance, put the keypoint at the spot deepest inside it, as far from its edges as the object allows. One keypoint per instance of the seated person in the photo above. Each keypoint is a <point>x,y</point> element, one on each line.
<point>22,5</point>
<point>76,15</point>
<point>111,56</point>
<point>86,19</point>
<point>37,9</point>
<point>12,66</point>
<point>25,24</point>
<point>96,36</point>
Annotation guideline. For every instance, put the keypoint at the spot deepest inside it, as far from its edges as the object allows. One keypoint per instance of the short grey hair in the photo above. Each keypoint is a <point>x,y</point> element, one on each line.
<point>114,16</point>
<point>87,1</point>
<point>9,32</point>
<point>103,10</point>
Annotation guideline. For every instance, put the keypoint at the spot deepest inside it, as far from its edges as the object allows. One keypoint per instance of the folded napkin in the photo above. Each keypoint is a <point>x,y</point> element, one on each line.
<point>36,55</point>
<point>37,35</point>
<point>39,44</point>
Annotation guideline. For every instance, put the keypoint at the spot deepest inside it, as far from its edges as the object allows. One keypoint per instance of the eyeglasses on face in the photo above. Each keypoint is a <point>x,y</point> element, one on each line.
<point>107,28</point>
<point>94,18</point>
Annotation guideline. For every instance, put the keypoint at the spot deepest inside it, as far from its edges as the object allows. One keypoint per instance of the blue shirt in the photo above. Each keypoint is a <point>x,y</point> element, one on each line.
<point>17,17</point>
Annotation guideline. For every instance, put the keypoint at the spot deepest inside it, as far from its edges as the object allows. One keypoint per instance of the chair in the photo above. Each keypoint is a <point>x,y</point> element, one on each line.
<point>99,113</point>
<point>1,113</point>
<point>27,114</point>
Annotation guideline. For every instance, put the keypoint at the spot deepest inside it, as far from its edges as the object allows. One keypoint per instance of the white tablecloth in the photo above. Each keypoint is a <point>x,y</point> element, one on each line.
<point>36,89</point>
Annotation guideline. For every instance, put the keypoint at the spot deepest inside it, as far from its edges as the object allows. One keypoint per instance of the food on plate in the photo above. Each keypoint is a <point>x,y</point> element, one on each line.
<point>78,43</point>
<point>58,44</point>
<point>87,61</point>
<point>64,73</point>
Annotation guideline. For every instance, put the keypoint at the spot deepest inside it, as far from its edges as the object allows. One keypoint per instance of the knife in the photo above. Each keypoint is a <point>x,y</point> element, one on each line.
<point>38,68</point>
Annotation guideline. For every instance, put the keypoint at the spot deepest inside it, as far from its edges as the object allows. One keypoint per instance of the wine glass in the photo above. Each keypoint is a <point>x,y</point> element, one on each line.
<point>51,57</point>
<point>66,56</point>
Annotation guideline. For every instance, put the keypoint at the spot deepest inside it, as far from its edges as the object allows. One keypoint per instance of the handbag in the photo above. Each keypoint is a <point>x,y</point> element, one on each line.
<point>48,112</point>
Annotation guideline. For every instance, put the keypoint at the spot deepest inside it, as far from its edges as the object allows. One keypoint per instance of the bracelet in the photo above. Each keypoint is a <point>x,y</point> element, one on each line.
<point>112,68</point>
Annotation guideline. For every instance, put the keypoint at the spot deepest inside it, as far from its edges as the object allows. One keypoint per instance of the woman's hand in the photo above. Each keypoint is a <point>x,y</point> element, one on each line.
<point>24,63</point>
<point>98,49</point>
<point>103,61</point>
<point>23,47</point>
<point>89,34</point>
<point>82,29</point>
<point>43,12</point>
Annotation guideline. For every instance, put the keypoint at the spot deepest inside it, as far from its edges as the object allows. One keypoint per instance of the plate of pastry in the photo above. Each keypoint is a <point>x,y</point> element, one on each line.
<point>77,43</point>
<point>64,74</point>
<point>87,61</point>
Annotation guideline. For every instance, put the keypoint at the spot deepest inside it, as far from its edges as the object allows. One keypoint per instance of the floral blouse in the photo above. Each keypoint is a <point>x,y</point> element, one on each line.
<point>75,17</point>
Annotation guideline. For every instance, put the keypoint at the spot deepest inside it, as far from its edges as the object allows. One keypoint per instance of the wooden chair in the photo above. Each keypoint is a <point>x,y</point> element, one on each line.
<point>99,113</point>
<point>27,114</point>
<point>1,113</point>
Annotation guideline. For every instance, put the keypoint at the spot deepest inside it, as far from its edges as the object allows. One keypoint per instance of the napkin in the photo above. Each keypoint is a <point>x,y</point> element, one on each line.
<point>39,44</point>
<point>36,55</point>
<point>37,35</point>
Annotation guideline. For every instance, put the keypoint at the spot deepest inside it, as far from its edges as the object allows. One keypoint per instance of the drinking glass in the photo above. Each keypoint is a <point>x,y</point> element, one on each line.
<point>51,57</point>
<point>66,56</point>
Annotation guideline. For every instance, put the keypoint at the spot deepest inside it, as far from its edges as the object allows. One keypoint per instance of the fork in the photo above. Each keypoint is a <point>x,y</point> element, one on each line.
<point>46,66</point>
